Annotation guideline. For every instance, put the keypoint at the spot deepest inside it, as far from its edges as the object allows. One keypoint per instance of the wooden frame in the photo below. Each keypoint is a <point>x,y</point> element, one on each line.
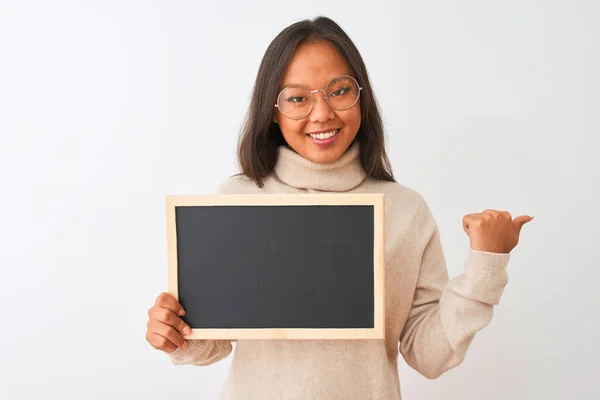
<point>375,200</point>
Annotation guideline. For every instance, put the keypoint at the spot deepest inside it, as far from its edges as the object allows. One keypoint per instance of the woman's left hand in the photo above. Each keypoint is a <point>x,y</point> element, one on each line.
<point>494,231</point>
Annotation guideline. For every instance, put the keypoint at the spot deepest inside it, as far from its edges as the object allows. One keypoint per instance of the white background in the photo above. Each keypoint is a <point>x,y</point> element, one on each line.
<point>106,106</point>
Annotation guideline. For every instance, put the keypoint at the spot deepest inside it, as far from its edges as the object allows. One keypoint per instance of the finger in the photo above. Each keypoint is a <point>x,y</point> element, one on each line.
<point>171,334</point>
<point>488,215</point>
<point>167,300</point>
<point>160,342</point>
<point>168,317</point>
<point>168,332</point>
<point>466,221</point>
<point>520,221</point>
<point>469,220</point>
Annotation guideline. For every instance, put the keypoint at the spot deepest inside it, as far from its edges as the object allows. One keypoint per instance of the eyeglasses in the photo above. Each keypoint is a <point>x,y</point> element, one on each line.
<point>296,102</point>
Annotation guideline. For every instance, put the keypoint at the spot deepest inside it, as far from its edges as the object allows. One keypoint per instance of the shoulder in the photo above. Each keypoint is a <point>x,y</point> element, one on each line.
<point>242,184</point>
<point>238,184</point>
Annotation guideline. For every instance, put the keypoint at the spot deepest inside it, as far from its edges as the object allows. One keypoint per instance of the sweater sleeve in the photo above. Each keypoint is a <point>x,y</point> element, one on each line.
<point>201,352</point>
<point>446,314</point>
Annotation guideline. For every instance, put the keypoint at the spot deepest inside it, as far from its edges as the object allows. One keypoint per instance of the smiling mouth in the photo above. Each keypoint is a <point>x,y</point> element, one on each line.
<point>324,135</point>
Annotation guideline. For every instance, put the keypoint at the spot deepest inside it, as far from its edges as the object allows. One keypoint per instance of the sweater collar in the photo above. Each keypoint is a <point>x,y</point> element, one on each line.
<point>339,176</point>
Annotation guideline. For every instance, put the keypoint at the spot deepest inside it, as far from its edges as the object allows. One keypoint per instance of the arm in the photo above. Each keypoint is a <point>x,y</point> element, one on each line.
<point>446,315</point>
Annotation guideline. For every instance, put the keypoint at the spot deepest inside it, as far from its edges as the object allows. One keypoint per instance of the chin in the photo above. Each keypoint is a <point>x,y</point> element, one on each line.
<point>324,155</point>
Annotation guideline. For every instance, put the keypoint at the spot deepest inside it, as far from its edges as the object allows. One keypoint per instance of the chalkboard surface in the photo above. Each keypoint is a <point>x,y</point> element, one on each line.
<point>278,266</point>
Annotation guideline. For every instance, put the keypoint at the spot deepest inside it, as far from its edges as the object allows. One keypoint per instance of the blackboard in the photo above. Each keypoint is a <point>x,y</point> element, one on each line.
<point>307,266</point>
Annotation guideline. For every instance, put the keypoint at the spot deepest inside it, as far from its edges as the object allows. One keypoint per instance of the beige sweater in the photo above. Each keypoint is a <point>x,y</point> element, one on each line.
<point>430,320</point>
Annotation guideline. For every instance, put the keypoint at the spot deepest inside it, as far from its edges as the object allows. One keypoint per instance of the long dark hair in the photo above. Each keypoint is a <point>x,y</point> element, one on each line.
<point>260,136</point>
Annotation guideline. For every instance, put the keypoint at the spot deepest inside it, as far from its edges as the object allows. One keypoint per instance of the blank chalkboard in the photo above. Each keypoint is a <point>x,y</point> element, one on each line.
<point>278,266</point>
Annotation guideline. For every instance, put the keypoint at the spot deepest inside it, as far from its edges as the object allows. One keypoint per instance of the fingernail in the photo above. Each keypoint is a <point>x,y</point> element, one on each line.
<point>182,312</point>
<point>185,345</point>
<point>187,330</point>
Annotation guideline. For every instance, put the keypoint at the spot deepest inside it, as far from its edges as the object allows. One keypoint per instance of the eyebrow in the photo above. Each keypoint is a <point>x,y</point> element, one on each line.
<point>291,81</point>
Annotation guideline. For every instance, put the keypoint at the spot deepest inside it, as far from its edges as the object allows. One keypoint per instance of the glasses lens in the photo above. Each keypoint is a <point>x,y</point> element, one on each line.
<point>294,102</point>
<point>342,92</point>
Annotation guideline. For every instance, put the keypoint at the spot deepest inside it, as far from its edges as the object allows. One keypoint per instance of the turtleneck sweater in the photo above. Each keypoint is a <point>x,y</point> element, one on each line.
<point>429,319</point>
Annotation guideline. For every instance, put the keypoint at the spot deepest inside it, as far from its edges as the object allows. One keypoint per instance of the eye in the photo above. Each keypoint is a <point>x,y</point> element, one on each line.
<point>295,99</point>
<point>340,92</point>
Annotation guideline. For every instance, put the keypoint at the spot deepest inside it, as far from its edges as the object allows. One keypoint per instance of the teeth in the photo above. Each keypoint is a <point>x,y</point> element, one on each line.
<point>323,136</point>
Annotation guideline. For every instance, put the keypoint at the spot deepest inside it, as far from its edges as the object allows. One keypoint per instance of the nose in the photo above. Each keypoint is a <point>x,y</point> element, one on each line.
<point>322,111</point>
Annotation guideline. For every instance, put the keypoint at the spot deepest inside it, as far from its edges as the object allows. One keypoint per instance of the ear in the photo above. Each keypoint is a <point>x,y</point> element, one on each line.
<point>275,118</point>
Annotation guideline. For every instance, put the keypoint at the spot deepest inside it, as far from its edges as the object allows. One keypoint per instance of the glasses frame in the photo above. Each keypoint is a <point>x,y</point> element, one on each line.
<point>312,97</point>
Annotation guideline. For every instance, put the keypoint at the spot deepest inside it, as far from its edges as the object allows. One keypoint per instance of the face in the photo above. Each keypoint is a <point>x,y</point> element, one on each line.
<point>314,64</point>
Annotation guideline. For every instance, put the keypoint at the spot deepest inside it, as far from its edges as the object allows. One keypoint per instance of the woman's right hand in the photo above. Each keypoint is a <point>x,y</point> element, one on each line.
<point>165,328</point>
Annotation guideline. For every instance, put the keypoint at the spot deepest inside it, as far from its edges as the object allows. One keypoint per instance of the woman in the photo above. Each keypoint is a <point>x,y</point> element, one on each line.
<point>313,126</point>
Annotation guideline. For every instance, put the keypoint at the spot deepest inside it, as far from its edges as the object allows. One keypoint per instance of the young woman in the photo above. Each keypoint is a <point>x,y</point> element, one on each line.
<point>314,126</point>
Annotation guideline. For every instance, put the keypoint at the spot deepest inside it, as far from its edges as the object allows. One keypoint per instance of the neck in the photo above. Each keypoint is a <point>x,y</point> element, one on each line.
<point>339,176</point>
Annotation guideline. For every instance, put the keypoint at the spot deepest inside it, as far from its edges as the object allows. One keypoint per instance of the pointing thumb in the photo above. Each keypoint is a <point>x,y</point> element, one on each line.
<point>520,221</point>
